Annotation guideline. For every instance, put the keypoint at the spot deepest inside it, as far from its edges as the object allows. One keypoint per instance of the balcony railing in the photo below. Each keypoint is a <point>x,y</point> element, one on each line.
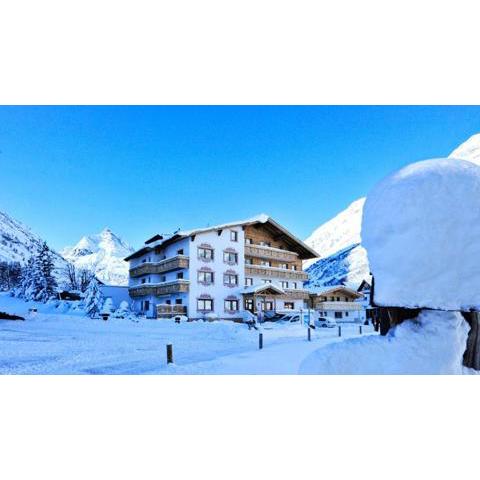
<point>167,265</point>
<point>270,253</point>
<point>164,310</point>
<point>274,272</point>
<point>156,289</point>
<point>297,293</point>
<point>338,306</point>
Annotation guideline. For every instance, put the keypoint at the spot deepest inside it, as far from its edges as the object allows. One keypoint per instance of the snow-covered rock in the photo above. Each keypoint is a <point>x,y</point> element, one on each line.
<point>421,229</point>
<point>103,254</point>
<point>469,150</point>
<point>18,243</point>
<point>433,343</point>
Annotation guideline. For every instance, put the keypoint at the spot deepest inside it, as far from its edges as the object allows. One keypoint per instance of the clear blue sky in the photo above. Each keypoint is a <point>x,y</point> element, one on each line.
<point>71,171</point>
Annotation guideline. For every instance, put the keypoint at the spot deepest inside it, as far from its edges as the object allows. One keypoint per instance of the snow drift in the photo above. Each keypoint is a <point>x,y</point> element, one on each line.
<point>421,230</point>
<point>433,343</point>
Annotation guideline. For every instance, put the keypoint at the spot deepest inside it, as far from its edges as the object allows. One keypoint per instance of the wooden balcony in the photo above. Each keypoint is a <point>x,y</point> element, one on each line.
<point>167,265</point>
<point>157,289</point>
<point>350,306</point>
<point>270,253</point>
<point>274,272</point>
<point>297,294</point>
<point>166,311</point>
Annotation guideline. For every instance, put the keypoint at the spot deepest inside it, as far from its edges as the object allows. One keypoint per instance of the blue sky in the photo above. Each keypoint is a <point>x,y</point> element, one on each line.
<point>71,171</point>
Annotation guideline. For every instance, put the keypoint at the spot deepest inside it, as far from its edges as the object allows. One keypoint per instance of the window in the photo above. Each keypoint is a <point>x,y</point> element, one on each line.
<point>178,301</point>
<point>233,235</point>
<point>205,277</point>
<point>231,305</point>
<point>248,261</point>
<point>338,299</point>
<point>332,299</point>
<point>180,252</point>
<point>346,314</point>
<point>284,284</point>
<point>265,244</point>
<point>249,305</point>
<point>230,258</point>
<point>283,265</point>
<point>146,305</point>
<point>143,280</point>
<point>268,306</point>
<point>288,305</point>
<point>248,281</point>
<point>180,275</point>
<point>230,279</point>
<point>294,285</point>
<point>168,302</point>
<point>204,304</point>
<point>266,263</point>
<point>294,267</point>
<point>266,281</point>
<point>205,253</point>
<point>248,241</point>
<point>163,278</point>
<point>338,314</point>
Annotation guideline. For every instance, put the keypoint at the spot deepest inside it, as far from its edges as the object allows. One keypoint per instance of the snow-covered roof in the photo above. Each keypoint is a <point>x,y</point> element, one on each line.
<point>259,288</point>
<point>158,240</point>
<point>334,288</point>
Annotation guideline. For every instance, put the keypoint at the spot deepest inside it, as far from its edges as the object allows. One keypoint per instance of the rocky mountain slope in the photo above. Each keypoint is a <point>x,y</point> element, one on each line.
<point>102,253</point>
<point>18,243</point>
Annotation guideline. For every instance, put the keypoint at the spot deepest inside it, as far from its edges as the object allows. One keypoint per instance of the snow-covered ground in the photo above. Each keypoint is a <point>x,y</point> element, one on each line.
<point>52,342</point>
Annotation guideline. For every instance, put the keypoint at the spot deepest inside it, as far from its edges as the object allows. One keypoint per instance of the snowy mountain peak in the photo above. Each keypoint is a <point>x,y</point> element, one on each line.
<point>468,150</point>
<point>102,253</point>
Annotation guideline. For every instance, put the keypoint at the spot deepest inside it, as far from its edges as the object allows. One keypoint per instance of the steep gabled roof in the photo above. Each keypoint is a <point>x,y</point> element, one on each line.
<point>263,288</point>
<point>304,250</point>
<point>324,291</point>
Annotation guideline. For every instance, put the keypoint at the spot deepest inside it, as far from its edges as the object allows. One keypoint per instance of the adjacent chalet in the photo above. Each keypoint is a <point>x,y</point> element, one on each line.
<point>220,271</point>
<point>339,303</point>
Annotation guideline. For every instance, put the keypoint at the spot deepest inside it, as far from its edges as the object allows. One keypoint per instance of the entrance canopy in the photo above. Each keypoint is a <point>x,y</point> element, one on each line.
<point>263,289</point>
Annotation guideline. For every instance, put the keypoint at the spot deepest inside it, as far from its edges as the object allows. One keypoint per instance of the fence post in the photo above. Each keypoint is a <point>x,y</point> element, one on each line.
<point>360,329</point>
<point>309,334</point>
<point>260,341</point>
<point>339,330</point>
<point>169,353</point>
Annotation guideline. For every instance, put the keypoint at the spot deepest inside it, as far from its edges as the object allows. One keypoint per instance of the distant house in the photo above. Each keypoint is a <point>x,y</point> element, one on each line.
<point>365,288</point>
<point>339,303</point>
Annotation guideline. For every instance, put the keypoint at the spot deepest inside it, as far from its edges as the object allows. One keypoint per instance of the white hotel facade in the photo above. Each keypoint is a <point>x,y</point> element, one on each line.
<point>220,271</point>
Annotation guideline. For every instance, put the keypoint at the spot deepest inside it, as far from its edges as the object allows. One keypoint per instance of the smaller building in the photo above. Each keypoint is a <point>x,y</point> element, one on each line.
<point>338,303</point>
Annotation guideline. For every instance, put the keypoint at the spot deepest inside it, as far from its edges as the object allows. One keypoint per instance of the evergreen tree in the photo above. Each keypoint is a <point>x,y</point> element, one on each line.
<point>26,283</point>
<point>44,282</point>
<point>93,298</point>
<point>10,273</point>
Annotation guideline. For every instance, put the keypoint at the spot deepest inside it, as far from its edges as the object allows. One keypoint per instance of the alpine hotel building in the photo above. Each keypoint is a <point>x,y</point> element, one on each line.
<point>220,271</point>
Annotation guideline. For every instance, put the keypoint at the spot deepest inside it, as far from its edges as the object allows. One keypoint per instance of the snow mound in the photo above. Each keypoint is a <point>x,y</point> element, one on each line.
<point>421,230</point>
<point>433,343</point>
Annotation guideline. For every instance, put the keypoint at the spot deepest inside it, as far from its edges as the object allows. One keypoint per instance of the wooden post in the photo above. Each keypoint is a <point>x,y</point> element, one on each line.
<point>339,331</point>
<point>360,330</point>
<point>169,353</point>
<point>471,357</point>
<point>309,333</point>
<point>260,341</point>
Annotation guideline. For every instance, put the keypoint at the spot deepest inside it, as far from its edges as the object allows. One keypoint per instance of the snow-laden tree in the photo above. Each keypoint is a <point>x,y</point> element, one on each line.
<point>26,283</point>
<point>93,299</point>
<point>44,282</point>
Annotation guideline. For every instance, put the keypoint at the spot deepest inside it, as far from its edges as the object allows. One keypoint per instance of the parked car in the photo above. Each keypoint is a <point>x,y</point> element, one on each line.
<point>325,322</point>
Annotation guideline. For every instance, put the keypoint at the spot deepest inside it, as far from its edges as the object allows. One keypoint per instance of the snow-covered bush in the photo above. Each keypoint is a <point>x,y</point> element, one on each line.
<point>421,230</point>
<point>93,299</point>
<point>122,311</point>
<point>108,306</point>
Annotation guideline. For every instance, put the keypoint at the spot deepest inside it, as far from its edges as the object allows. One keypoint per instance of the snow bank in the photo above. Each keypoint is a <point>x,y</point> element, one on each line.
<point>421,230</point>
<point>432,344</point>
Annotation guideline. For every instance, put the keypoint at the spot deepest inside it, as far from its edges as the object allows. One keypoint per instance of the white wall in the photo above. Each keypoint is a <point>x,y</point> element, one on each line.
<point>217,291</point>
